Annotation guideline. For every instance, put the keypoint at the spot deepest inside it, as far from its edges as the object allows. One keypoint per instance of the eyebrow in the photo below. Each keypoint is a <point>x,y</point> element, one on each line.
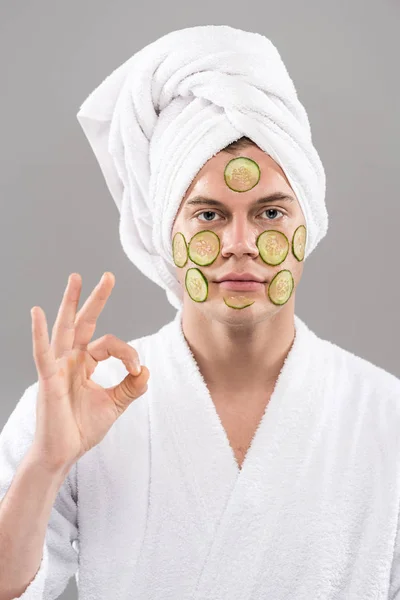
<point>277,196</point>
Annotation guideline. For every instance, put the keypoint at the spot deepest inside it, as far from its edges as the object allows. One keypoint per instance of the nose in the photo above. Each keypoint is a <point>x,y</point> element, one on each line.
<point>239,237</point>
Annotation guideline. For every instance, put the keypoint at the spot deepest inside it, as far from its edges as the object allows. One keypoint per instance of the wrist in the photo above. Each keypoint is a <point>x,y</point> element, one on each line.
<point>36,459</point>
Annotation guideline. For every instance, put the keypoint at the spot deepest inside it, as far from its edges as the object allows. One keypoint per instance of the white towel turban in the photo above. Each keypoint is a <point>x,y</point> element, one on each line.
<point>160,116</point>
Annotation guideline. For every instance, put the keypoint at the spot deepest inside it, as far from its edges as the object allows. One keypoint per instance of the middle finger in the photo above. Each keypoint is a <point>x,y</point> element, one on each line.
<point>86,319</point>
<point>63,332</point>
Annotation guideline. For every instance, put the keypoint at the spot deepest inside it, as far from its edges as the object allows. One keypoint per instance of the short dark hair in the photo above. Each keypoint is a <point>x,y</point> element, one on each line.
<point>238,145</point>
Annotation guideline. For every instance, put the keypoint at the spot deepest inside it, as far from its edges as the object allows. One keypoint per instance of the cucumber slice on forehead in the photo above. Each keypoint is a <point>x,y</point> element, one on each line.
<point>179,250</point>
<point>299,242</point>
<point>281,287</point>
<point>196,285</point>
<point>242,174</point>
<point>273,246</point>
<point>238,301</point>
<point>204,248</point>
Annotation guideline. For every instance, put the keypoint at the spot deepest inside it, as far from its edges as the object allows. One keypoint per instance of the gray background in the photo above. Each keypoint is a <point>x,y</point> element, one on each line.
<point>57,216</point>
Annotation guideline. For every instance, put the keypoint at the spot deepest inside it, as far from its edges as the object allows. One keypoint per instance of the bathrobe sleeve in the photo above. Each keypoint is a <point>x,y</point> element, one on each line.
<point>60,559</point>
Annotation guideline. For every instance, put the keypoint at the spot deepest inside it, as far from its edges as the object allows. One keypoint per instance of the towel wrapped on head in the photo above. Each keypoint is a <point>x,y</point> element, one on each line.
<point>161,115</point>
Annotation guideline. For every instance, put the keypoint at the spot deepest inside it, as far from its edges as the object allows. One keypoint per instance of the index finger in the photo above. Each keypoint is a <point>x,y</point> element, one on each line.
<point>86,319</point>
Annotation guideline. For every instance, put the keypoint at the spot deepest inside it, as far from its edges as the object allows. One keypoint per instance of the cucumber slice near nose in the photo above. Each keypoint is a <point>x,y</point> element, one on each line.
<point>273,246</point>
<point>204,247</point>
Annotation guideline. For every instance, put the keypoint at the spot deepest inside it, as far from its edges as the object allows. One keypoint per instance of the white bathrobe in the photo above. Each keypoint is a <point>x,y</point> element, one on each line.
<point>160,510</point>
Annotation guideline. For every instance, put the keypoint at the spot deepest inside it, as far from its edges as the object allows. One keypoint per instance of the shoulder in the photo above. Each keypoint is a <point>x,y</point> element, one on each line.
<point>362,371</point>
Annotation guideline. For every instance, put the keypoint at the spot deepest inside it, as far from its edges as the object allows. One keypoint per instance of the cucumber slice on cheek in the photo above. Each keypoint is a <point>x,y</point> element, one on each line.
<point>273,246</point>
<point>281,287</point>
<point>179,250</point>
<point>196,285</point>
<point>204,248</point>
<point>299,242</point>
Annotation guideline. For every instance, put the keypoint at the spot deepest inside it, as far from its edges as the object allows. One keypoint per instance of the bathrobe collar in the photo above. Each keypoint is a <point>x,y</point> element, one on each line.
<point>196,404</point>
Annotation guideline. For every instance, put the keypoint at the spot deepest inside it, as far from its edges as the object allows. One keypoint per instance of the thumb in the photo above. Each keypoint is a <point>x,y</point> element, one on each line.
<point>129,389</point>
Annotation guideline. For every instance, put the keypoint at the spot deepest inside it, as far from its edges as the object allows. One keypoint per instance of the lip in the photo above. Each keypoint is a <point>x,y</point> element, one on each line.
<point>241,285</point>
<point>240,277</point>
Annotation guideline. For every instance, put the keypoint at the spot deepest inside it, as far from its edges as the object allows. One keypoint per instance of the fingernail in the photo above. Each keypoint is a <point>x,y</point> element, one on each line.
<point>136,366</point>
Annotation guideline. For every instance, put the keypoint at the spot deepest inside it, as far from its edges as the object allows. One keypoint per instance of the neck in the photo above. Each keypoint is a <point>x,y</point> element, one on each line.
<point>239,358</point>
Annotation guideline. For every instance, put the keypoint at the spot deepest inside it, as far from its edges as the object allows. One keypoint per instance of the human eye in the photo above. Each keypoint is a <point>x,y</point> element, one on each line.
<point>204,212</point>
<point>273,210</point>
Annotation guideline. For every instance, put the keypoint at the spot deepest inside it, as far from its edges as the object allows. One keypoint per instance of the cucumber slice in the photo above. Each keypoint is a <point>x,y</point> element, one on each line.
<point>196,285</point>
<point>179,250</point>
<point>299,242</point>
<point>204,248</point>
<point>242,174</point>
<point>281,287</point>
<point>238,301</point>
<point>273,246</point>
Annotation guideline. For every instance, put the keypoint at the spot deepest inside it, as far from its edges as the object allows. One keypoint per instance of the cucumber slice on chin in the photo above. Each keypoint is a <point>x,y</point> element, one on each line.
<point>238,302</point>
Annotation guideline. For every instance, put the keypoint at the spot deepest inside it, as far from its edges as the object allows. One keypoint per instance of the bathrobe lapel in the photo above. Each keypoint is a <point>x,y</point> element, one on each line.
<point>220,519</point>
<point>250,495</point>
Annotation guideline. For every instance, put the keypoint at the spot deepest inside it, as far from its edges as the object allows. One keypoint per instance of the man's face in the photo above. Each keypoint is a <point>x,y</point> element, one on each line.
<point>238,222</point>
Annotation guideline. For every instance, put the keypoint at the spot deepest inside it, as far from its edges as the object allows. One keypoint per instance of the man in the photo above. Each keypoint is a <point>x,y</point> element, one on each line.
<point>262,460</point>
<point>248,346</point>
